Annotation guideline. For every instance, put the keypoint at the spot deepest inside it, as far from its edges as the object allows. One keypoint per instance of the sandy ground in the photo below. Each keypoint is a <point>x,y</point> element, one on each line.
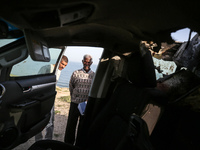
<point>61,114</point>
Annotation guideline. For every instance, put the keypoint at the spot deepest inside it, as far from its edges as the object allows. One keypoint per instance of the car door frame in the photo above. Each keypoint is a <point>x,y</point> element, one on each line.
<point>25,104</point>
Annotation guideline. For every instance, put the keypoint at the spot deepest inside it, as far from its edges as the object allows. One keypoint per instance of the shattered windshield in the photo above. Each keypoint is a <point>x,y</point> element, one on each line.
<point>170,58</point>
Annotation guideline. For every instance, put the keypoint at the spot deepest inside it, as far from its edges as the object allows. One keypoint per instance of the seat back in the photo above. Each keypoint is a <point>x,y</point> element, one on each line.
<point>112,124</point>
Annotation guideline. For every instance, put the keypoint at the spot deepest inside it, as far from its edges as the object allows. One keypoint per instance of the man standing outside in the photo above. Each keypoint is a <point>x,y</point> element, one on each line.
<point>49,69</point>
<point>79,87</point>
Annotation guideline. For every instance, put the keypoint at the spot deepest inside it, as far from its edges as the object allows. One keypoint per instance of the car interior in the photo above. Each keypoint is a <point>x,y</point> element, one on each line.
<point>128,106</point>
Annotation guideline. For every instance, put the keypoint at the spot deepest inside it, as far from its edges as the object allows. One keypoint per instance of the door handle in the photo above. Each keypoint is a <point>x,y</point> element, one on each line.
<point>2,90</point>
<point>25,104</point>
<point>27,89</point>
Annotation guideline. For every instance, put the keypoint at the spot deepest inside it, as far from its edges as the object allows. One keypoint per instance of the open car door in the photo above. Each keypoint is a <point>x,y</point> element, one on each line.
<point>26,94</point>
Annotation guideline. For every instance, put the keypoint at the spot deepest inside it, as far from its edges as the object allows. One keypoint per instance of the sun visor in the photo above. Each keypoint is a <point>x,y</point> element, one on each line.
<point>37,47</point>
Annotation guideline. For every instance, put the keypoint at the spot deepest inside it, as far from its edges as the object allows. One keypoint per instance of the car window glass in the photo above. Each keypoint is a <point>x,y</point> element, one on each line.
<point>6,41</point>
<point>29,67</point>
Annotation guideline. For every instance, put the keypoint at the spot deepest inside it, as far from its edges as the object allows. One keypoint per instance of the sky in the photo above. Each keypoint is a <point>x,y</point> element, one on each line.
<point>76,53</point>
<point>182,35</point>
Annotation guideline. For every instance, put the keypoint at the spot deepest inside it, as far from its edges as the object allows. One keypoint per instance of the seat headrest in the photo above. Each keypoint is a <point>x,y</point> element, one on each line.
<point>140,69</point>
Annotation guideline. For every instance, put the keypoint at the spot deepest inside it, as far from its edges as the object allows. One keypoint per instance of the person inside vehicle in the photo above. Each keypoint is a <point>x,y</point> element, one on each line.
<point>79,87</point>
<point>49,69</point>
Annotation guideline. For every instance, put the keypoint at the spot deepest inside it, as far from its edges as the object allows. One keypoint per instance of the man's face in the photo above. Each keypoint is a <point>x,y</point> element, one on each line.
<point>62,65</point>
<point>86,64</point>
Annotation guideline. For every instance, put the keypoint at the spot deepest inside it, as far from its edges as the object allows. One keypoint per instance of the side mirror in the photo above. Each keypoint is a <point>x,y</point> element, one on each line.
<point>3,30</point>
<point>8,31</point>
<point>37,47</point>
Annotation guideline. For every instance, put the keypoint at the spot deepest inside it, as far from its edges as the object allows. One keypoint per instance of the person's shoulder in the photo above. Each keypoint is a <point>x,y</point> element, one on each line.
<point>77,71</point>
<point>46,66</point>
<point>92,72</point>
<point>45,69</point>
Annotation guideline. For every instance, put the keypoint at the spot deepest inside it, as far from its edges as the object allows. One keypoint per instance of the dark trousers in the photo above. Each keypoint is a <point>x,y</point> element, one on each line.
<point>74,115</point>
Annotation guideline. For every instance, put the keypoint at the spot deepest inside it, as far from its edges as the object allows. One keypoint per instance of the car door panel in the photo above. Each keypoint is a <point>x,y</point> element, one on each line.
<point>25,107</point>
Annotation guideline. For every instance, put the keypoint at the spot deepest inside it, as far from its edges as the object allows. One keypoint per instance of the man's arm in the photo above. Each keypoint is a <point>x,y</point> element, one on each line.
<point>71,84</point>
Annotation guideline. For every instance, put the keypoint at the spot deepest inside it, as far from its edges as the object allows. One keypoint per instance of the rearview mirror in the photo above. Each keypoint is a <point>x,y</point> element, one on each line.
<point>37,47</point>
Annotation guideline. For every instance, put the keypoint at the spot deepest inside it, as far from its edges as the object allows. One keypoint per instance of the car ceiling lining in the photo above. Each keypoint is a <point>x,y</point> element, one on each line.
<point>147,20</point>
